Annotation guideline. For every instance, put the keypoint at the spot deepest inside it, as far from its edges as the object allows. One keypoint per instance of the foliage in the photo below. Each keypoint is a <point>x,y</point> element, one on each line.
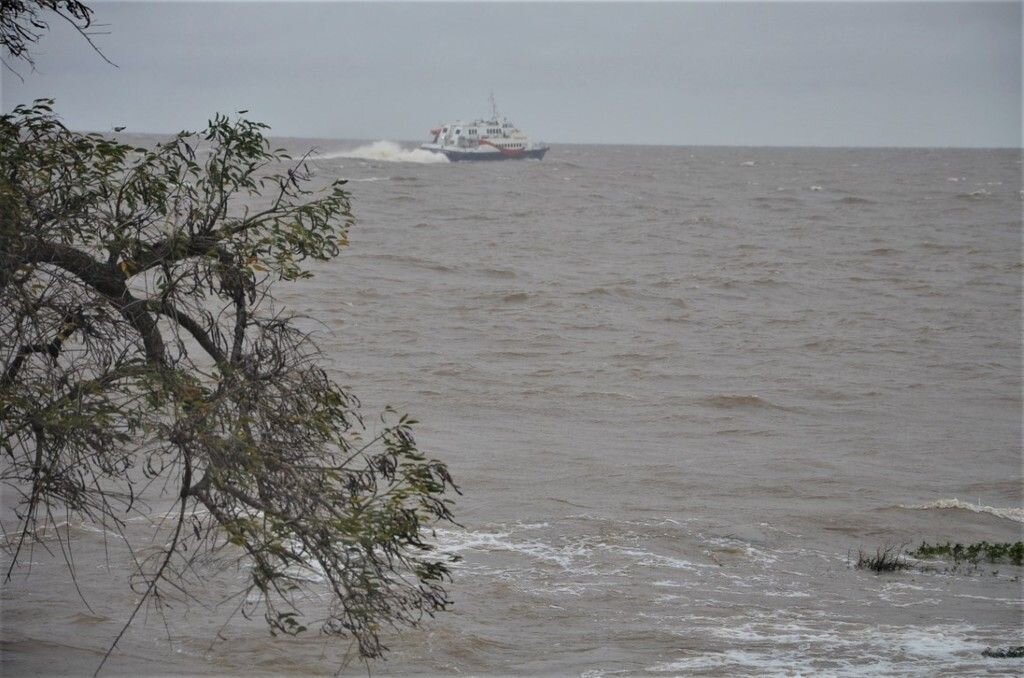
<point>893,558</point>
<point>1011,552</point>
<point>23,22</point>
<point>1014,652</point>
<point>139,340</point>
<point>885,559</point>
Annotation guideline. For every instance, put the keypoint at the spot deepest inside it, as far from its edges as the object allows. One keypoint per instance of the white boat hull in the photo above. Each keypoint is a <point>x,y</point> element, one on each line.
<point>456,154</point>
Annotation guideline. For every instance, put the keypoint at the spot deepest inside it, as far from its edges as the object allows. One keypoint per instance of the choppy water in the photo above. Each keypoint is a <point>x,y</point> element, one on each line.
<point>678,386</point>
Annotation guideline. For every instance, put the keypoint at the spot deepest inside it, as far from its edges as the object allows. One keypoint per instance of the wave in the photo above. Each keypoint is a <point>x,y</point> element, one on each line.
<point>739,401</point>
<point>798,645</point>
<point>501,273</point>
<point>453,542</point>
<point>580,555</point>
<point>1014,514</point>
<point>974,195</point>
<point>408,260</point>
<point>386,151</point>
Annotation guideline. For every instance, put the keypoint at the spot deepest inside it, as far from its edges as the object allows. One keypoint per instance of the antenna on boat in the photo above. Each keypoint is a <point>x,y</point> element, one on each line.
<point>494,107</point>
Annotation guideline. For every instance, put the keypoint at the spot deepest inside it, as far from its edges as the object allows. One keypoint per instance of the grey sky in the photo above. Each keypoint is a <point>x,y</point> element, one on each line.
<point>824,74</point>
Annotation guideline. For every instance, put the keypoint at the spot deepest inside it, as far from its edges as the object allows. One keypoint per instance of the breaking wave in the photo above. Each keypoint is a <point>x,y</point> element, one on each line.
<point>797,646</point>
<point>1014,514</point>
<point>387,151</point>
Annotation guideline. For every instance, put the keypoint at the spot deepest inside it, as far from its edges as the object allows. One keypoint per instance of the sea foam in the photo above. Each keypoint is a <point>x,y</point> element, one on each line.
<point>1014,514</point>
<point>386,151</point>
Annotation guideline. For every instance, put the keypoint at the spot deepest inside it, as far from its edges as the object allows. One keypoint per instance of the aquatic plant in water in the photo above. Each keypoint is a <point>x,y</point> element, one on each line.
<point>1008,552</point>
<point>1007,653</point>
<point>886,559</point>
<point>893,558</point>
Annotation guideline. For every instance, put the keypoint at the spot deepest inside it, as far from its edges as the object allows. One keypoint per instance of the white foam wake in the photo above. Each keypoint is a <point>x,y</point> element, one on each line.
<point>386,151</point>
<point>1014,514</point>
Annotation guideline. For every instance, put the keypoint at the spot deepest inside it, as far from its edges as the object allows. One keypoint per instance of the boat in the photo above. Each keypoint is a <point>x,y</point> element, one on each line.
<point>493,138</point>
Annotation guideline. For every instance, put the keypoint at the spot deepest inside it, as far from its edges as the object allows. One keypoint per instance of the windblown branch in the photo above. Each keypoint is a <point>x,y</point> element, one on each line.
<point>71,322</point>
<point>138,348</point>
<point>105,280</point>
<point>23,23</point>
<point>200,333</point>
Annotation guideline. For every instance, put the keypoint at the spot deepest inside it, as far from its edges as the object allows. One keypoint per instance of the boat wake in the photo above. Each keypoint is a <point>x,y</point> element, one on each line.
<point>1014,514</point>
<point>386,151</point>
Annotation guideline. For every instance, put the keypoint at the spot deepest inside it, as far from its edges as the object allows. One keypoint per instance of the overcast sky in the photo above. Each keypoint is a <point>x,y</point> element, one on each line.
<point>821,74</point>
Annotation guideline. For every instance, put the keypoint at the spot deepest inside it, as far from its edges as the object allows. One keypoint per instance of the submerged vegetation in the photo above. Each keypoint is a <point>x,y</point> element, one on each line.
<point>1015,652</point>
<point>895,558</point>
<point>885,559</point>
<point>1005,552</point>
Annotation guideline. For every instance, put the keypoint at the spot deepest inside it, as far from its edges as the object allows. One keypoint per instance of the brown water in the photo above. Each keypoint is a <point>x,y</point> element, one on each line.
<point>678,386</point>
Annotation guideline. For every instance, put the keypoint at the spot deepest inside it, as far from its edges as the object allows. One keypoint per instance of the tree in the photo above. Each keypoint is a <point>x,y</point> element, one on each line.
<point>139,339</point>
<point>23,22</point>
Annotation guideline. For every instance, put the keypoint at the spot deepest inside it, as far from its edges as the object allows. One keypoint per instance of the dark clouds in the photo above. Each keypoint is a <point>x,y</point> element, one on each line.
<point>931,74</point>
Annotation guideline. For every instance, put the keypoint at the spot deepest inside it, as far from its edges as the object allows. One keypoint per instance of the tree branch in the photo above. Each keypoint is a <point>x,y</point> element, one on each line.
<point>107,281</point>
<point>186,482</point>
<point>200,334</point>
<point>71,322</point>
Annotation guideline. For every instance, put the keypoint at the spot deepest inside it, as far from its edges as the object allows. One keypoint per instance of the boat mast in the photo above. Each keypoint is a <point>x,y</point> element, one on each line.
<point>494,108</point>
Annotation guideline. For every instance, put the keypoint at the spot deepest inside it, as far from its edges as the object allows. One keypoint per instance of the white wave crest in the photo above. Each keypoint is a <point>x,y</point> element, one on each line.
<point>1014,514</point>
<point>387,151</point>
<point>565,556</point>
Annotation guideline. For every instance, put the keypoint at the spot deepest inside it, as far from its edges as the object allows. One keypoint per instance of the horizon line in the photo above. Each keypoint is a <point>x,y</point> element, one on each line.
<point>270,135</point>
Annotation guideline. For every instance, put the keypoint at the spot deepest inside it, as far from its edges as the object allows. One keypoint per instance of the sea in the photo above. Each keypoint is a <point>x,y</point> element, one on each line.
<point>682,390</point>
